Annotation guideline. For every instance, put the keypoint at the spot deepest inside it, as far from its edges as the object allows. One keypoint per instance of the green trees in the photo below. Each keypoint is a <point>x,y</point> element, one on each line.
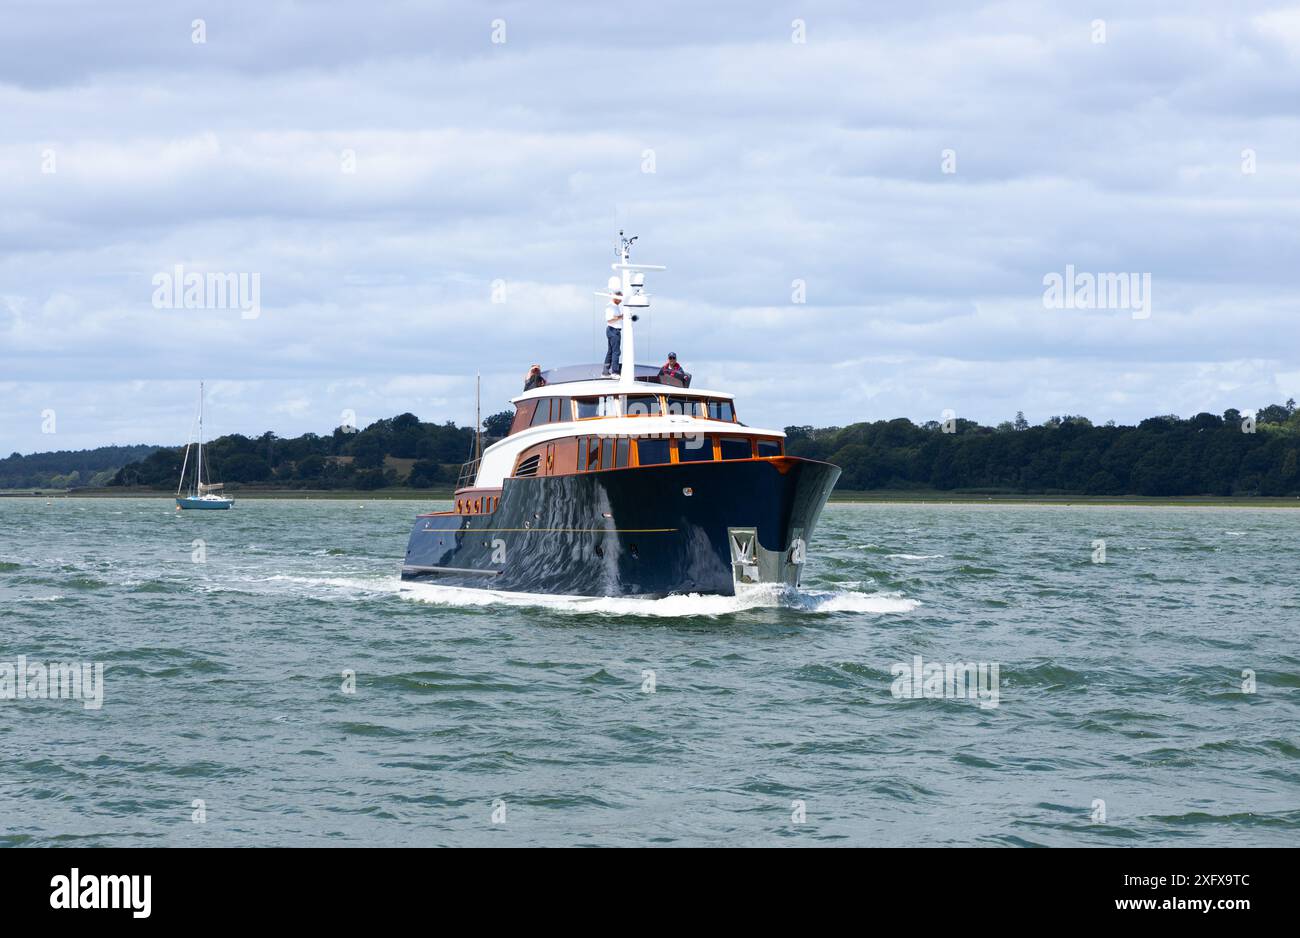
<point>498,425</point>
<point>1206,454</point>
<point>67,469</point>
<point>1164,455</point>
<point>393,451</point>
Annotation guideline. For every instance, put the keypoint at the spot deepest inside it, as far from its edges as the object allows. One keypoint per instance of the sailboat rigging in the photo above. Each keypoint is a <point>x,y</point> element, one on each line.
<point>201,495</point>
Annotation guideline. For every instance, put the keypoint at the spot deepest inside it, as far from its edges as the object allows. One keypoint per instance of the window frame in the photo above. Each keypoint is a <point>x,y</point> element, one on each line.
<point>681,447</point>
<point>724,439</point>
<point>627,408</point>
<point>668,450</point>
<point>603,402</point>
<point>697,405</point>
<point>717,403</point>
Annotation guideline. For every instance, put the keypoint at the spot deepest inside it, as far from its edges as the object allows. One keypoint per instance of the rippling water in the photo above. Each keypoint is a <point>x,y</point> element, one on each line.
<point>1120,682</point>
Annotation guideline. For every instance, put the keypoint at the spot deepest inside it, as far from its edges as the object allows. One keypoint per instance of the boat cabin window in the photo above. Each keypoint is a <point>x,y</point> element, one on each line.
<point>651,452</point>
<point>685,406</point>
<point>606,406</point>
<point>734,447</point>
<point>642,405</point>
<point>768,448</point>
<point>721,410</point>
<point>621,452</point>
<point>595,452</point>
<point>694,447</point>
<point>550,410</point>
<point>524,415</point>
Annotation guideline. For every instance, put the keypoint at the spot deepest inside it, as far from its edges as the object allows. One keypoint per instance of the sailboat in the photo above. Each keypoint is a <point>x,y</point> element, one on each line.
<point>201,495</point>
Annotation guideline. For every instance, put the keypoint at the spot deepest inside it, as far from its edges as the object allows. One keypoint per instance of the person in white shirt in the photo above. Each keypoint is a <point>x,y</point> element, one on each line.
<point>614,335</point>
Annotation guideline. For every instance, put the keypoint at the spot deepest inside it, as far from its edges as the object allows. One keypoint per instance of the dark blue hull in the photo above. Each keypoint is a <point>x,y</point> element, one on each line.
<point>646,531</point>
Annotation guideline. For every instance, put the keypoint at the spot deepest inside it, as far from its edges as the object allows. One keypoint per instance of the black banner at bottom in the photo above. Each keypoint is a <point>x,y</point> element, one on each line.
<point>333,887</point>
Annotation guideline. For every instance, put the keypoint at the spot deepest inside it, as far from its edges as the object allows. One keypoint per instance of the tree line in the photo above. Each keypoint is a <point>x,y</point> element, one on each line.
<point>395,451</point>
<point>1207,454</point>
<point>68,468</point>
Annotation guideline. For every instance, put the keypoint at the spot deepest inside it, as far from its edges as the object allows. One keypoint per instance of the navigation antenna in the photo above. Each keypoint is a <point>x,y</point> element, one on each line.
<point>630,284</point>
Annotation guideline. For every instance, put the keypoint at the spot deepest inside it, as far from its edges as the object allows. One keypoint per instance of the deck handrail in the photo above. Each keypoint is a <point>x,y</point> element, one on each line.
<point>468,473</point>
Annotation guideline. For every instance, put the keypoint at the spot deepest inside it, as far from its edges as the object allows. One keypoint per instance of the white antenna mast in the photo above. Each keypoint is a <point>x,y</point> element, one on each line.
<point>631,282</point>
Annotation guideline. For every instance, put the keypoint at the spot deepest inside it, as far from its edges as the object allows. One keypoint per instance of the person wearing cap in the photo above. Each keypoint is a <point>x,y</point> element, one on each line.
<point>614,335</point>
<point>534,378</point>
<point>672,369</point>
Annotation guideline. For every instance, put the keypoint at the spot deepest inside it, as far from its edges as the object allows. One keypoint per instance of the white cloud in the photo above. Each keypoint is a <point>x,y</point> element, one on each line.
<point>774,161</point>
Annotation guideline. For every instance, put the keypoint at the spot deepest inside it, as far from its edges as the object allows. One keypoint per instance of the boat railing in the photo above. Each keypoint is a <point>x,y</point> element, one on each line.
<point>468,473</point>
<point>570,373</point>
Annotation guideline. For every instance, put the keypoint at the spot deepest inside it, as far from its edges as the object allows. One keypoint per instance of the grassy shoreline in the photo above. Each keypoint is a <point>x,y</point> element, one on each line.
<point>849,497</point>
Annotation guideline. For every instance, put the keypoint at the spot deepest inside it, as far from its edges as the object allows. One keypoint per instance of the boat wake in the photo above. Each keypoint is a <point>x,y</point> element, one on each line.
<point>765,596</point>
<point>324,587</point>
<point>671,607</point>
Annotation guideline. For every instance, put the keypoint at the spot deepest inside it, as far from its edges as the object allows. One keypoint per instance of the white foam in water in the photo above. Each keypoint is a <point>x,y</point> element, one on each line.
<point>875,603</point>
<point>673,607</point>
<point>913,556</point>
<point>353,585</point>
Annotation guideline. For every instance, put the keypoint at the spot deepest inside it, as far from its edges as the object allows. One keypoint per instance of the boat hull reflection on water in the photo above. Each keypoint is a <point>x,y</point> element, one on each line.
<point>702,527</point>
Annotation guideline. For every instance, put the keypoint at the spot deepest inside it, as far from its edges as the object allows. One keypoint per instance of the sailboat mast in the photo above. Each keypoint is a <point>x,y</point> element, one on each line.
<point>478,416</point>
<point>199,476</point>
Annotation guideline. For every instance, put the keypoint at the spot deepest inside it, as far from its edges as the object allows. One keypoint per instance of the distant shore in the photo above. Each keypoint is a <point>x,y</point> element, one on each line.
<point>970,498</point>
<point>404,494</point>
<point>851,497</point>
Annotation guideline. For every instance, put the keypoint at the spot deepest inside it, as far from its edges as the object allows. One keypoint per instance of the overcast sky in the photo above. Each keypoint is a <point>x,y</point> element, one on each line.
<point>380,165</point>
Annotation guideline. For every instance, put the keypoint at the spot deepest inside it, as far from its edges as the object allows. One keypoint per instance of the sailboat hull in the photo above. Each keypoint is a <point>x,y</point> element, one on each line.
<point>205,504</point>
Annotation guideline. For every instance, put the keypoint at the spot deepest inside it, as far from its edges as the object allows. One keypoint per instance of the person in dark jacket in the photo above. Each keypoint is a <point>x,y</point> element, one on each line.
<point>672,369</point>
<point>534,378</point>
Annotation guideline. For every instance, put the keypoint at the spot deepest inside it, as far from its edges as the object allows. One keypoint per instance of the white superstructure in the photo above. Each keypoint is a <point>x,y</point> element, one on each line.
<point>616,417</point>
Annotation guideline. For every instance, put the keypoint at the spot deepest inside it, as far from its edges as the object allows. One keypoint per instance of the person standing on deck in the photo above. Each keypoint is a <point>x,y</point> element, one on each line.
<point>614,335</point>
